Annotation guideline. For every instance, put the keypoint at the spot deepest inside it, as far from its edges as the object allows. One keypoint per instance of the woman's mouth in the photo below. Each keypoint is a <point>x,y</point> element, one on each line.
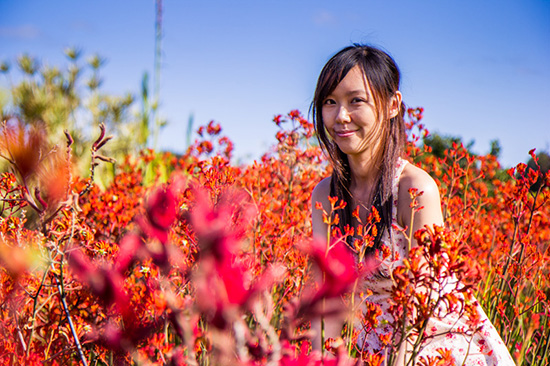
<point>344,133</point>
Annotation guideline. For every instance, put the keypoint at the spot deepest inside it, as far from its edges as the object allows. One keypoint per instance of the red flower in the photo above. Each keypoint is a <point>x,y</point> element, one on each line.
<point>205,147</point>
<point>161,212</point>
<point>161,208</point>
<point>278,119</point>
<point>294,114</point>
<point>225,141</point>
<point>213,128</point>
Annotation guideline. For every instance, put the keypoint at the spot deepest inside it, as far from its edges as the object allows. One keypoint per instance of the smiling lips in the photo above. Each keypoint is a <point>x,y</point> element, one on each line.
<point>344,133</point>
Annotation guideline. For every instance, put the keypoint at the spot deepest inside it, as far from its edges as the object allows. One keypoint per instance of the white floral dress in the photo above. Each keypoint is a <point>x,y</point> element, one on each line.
<point>484,348</point>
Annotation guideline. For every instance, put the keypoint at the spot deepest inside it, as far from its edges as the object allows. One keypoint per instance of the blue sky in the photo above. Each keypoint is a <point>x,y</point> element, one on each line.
<point>481,69</point>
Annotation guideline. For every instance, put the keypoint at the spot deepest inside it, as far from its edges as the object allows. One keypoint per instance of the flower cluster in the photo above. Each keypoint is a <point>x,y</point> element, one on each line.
<point>193,260</point>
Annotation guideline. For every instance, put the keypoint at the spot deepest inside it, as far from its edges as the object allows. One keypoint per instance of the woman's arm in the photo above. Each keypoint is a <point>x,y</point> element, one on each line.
<point>430,213</point>
<point>333,325</point>
<point>320,194</point>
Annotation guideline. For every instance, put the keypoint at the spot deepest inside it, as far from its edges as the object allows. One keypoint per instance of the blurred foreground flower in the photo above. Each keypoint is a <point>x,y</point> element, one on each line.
<point>337,266</point>
<point>44,172</point>
<point>23,146</point>
<point>222,279</point>
<point>105,282</point>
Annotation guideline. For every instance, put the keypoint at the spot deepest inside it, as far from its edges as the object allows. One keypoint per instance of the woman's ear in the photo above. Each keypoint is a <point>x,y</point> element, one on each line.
<point>395,104</point>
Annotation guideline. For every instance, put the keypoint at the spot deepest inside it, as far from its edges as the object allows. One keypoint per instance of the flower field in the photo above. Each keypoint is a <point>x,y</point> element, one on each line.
<point>193,260</point>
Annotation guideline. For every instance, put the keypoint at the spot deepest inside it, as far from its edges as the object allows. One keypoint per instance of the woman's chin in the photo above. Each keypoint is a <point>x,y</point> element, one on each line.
<point>350,149</point>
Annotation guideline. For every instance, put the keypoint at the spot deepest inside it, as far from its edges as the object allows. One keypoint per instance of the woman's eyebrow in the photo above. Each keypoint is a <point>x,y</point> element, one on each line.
<point>353,92</point>
<point>358,91</point>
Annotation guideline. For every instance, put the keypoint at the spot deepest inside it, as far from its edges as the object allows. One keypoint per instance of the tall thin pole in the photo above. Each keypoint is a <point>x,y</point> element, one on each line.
<point>156,76</point>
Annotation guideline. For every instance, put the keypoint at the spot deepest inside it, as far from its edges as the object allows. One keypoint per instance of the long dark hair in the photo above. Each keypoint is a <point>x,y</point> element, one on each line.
<point>383,77</point>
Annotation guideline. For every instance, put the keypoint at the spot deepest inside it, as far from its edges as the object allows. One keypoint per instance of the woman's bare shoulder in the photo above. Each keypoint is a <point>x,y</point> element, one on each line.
<point>414,177</point>
<point>322,189</point>
<point>320,193</point>
<point>418,178</point>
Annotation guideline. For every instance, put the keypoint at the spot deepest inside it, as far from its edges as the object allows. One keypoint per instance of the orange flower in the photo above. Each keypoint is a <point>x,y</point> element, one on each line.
<point>23,145</point>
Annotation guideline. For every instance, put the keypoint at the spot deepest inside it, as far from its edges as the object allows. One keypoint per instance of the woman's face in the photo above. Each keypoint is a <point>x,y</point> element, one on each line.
<point>350,116</point>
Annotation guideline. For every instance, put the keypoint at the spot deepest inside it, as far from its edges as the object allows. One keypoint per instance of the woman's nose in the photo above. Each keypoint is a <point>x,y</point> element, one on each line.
<point>342,115</point>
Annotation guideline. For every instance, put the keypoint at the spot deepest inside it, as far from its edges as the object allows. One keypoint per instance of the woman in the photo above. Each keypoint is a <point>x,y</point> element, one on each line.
<point>358,113</point>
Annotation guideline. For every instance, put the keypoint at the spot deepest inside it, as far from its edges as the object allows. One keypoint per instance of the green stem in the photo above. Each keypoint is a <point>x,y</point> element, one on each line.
<point>351,317</point>
<point>504,275</point>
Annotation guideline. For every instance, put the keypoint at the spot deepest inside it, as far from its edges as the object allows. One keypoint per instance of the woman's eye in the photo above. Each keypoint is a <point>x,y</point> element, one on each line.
<point>328,101</point>
<point>357,100</point>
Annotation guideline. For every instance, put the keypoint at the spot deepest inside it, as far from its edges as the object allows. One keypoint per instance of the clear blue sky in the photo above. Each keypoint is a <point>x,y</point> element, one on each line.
<point>481,69</point>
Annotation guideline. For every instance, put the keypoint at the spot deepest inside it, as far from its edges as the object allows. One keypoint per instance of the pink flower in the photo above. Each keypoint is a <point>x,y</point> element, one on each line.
<point>222,279</point>
<point>314,358</point>
<point>232,276</point>
<point>105,283</point>
<point>161,211</point>
<point>337,266</point>
<point>219,288</point>
<point>130,247</point>
<point>161,208</point>
<point>114,337</point>
<point>214,227</point>
<point>302,359</point>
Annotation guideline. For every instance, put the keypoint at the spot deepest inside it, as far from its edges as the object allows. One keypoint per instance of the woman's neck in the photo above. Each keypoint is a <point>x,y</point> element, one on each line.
<point>365,169</point>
